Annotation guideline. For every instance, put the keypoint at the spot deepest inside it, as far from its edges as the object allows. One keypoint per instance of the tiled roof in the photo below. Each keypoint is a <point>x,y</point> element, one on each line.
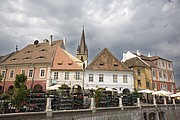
<point>35,53</point>
<point>65,61</point>
<point>107,62</point>
<point>3,58</point>
<point>135,62</point>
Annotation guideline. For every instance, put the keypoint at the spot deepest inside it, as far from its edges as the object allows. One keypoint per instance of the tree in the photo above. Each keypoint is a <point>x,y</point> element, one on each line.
<point>20,92</point>
<point>1,77</point>
<point>97,95</point>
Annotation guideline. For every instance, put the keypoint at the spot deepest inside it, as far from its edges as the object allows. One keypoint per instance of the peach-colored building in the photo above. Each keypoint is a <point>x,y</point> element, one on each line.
<point>35,61</point>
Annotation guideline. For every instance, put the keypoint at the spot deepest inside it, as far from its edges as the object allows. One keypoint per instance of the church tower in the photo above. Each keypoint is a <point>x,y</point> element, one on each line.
<point>82,50</point>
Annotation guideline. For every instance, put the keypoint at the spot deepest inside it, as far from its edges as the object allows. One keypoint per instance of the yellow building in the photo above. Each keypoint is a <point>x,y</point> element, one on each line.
<point>142,73</point>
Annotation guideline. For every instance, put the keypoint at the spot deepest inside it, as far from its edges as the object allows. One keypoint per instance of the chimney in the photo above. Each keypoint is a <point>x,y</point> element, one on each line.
<point>50,42</point>
<point>138,52</point>
<point>64,41</point>
<point>149,54</point>
<point>16,48</point>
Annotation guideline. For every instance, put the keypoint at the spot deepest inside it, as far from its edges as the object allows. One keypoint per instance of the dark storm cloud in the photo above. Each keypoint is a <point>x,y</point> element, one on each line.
<point>152,26</point>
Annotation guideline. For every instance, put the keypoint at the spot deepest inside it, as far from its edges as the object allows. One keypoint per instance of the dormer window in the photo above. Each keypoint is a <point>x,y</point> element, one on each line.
<point>43,50</point>
<point>115,65</point>
<point>70,63</point>
<point>40,57</point>
<point>28,52</point>
<point>26,58</point>
<point>101,64</point>
<point>14,59</point>
<point>60,63</point>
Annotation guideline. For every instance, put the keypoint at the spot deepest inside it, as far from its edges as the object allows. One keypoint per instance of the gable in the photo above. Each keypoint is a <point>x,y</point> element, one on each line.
<point>106,61</point>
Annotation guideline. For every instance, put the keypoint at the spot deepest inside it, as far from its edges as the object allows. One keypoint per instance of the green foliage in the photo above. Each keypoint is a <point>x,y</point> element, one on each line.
<point>20,92</point>
<point>20,79</point>
<point>5,97</point>
<point>1,77</point>
<point>97,95</point>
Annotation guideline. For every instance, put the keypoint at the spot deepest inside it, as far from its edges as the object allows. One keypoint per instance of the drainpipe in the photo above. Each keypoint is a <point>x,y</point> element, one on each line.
<point>32,83</point>
<point>4,79</point>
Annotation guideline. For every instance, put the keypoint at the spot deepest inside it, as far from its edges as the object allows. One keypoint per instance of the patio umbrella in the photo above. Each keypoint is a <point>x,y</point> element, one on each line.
<point>145,91</point>
<point>162,93</point>
<point>176,95</point>
<point>54,87</point>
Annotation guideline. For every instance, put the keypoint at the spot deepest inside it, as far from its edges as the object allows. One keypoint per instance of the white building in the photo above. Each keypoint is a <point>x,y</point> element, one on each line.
<point>106,71</point>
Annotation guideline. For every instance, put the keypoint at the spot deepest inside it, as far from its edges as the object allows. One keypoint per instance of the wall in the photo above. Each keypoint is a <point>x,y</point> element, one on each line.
<point>161,112</point>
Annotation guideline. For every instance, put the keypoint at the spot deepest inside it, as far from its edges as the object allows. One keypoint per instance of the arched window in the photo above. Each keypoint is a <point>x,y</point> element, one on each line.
<point>38,87</point>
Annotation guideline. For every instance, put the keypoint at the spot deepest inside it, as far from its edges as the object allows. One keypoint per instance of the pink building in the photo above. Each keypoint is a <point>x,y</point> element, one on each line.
<point>35,61</point>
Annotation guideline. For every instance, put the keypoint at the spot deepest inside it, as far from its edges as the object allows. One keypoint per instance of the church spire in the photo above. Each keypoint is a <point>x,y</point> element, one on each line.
<point>82,50</point>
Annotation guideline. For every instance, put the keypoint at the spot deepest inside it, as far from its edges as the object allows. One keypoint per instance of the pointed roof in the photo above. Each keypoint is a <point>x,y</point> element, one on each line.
<point>82,48</point>
<point>65,61</point>
<point>107,62</point>
<point>35,53</point>
<point>136,61</point>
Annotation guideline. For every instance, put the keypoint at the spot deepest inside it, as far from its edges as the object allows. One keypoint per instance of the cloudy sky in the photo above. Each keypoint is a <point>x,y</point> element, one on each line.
<point>151,26</point>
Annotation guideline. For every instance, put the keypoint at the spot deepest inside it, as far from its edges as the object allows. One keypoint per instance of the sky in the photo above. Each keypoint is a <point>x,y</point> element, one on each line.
<point>151,26</point>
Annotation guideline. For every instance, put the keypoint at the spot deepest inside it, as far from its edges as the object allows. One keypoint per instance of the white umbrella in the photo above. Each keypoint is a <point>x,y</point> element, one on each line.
<point>54,87</point>
<point>92,88</point>
<point>176,95</point>
<point>145,91</point>
<point>162,93</point>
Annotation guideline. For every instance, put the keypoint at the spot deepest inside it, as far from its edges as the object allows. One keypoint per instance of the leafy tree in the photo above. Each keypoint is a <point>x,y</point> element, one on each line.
<point>20,92</point>
<point>97,95</point>
<point>1,77</point>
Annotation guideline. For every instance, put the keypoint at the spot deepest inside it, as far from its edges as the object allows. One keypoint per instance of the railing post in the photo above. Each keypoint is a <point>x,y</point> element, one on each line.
<point>48,108</point>
<point>138,103</point>
<point>93,108</point>
<point>165,101</point>
<point>154,101</point>
<point>120,103</point>
<point>174,103</point>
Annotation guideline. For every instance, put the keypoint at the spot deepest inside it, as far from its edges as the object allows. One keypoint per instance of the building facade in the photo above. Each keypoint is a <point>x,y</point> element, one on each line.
<point>106,71</point>
<point>160,71</point>
<point>35,61</point>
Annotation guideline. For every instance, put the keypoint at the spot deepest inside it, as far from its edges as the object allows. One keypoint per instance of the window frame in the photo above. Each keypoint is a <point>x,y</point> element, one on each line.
<point>115,78</point>
<point>91,77</point>
<point>30,75</point>
<point>3,73</point>
<point>11,73</point>
<point>77,75</point>
<point>139,82</point>
<point>56,75</point>
<point>40,73</point>
<point>125,79</point>
<point>66,75</point>
<point>138,72</point>
<point>101,77</point>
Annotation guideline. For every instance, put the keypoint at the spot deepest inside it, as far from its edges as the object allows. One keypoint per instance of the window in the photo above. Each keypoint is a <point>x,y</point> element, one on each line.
<point>30,73</point>
<point>172,87</point>
<point>66,77</point>
<point>147,84</point>
<point>23,72</point>
<point>55,75</point>
<point>154,73</point>
<point>161,85</point>
<point>163,64</point>
<point>3,73</point>
<point>91,77</point>
<point>77,77</point>
<point>42,72</point>
<point>138,71</point>
<point>160,74</point>
<point>115,78</point>
<point>11,73</point>
<point>169,65</point>
<point>155,86</point>
<point>101,77</point>
<point>165,85</point>
<point>165,75</point>
<point>125,79</point>
<point>101,64</point>
<point>139,82</point>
